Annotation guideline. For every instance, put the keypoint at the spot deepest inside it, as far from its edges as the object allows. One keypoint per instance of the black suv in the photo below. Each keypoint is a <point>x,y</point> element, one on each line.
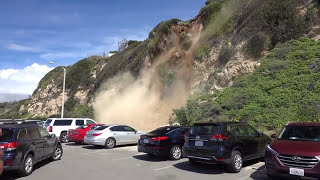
<point>228,143</point>
<point>27,144</point>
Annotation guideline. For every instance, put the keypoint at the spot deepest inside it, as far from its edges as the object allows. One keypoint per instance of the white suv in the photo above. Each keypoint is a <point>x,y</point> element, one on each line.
<point>60,126</point>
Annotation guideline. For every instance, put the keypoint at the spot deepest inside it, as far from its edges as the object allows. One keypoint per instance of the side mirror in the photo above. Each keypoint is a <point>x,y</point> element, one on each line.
<point>274,136</point>
<point>53,135</point>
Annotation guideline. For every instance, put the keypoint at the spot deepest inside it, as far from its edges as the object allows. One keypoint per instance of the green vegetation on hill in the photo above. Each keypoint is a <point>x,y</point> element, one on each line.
<point>284,88</point>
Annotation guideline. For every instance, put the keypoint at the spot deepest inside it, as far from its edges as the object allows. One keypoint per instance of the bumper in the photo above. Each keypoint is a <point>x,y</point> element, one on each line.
<point>153,150</point>
<point>94,141</point>
<point>276,168</point>
<point>213,157</point>
<point>74,139</point>
<point>10,168</point>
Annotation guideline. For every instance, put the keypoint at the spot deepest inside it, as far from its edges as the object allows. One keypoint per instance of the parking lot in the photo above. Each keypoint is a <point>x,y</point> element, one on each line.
<point>89,162</point>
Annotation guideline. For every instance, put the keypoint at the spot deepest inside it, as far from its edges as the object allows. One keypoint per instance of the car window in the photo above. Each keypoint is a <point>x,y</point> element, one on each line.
<point>7,135</point>
<point>79,122</point>
<point>23,135</point>
<point>239,130</point>
<point>62,122</point>
<point>90,122</point>
<point>94,127</point>
<point>48,121</point>
<point>127,128</point>
<point>82,127</point>
<point>205,130</point>
<point>181,131</point>
<point>101,128</point>
<point>301,133</point>
<point>34,133</point>
<point>251,131</point>
<point>117,128</point>
<point>163,130</point>
<point>43,133</point>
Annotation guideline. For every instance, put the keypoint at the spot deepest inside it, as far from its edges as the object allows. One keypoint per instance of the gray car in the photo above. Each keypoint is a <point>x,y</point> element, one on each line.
<point>112,135</point>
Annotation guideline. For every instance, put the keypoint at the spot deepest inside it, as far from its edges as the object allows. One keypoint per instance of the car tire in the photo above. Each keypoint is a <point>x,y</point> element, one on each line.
<point>194,162</point>
<point>175,153</point>
<point>27,166</point>
<point>57,153</point>
<point>236,162</point>
<point>110,143</point>
<point>63,137</point>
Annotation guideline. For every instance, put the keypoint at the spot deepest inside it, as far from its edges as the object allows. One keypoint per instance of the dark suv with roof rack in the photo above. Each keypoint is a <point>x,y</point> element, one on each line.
<point>228,143</point>
<point>295,152</point>
<point>26,144</point>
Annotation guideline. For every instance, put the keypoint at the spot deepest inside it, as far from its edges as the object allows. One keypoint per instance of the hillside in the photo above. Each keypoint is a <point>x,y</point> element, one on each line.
<point>205,68</point>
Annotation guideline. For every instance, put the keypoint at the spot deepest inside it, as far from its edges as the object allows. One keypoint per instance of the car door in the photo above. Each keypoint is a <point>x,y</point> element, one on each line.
<point>50,145</point>
<point>132,135</point>
<point>119,133</point>
<point>243,140</point>
<point>257,141</point>
<point>179,136</point>
<point>37,142</point>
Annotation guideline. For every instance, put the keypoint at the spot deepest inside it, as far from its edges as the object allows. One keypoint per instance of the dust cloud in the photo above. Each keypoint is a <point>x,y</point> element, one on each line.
<point>147,102</point>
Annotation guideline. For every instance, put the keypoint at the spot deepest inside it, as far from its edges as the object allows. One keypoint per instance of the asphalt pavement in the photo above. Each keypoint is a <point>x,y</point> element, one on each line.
<point>84,162</point>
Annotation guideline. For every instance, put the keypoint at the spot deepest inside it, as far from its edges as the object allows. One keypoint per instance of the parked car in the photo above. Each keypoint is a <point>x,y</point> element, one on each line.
<point>295,152</point>
<point>164,141</point>
<point>77,135</point>
<point>60,126</point>
<point>229,143</point>
<point>112,135</point>
<point>24,145</point>
<point>19,121</point>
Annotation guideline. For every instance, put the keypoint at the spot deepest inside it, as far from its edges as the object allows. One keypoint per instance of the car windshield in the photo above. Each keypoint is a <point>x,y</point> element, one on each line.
<point>205,130</point>
<point>48,121</point>
<point>163,130</point>
<point>7,135</point>
<point>301,133</point>
<point>82,127</point>
<point>101,128</point>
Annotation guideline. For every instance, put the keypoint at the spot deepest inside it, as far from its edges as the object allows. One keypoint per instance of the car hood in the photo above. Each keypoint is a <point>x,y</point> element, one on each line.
<point>294,147</point>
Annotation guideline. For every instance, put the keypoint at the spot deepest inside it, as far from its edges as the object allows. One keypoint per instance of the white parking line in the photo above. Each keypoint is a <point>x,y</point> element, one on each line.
<point>96,152</point>
<point>167,167</point>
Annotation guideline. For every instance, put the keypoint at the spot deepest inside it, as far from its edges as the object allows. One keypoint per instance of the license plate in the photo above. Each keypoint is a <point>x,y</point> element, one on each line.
<point>198,143</point>
<point>296,172</point>
<point>145,141</point>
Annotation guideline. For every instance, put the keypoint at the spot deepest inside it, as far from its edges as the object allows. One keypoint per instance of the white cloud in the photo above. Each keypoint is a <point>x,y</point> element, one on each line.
<point>17,47</point>
<point>22,81</point>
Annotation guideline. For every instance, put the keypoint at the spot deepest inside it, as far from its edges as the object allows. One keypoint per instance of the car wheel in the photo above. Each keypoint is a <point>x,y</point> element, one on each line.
<point>110,143</point>
<point>63,137</point>
<point>175,153</point>
<point>236,162</point>
<point>57,153</point>
<point>194,162</point>
<point>27,166</point>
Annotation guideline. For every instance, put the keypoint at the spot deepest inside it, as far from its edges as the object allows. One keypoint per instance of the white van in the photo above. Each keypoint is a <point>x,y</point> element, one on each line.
<point>60,126</point>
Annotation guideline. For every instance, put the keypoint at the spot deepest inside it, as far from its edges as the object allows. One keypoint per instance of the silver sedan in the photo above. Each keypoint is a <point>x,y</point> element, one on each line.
<point>112,135</point>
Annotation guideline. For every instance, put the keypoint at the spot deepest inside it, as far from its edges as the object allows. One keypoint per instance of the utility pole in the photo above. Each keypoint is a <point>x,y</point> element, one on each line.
<point>63,90</point>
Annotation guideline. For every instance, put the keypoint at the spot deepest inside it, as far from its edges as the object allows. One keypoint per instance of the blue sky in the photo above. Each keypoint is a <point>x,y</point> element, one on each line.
<point>34,32</point>
<point>38,31</point>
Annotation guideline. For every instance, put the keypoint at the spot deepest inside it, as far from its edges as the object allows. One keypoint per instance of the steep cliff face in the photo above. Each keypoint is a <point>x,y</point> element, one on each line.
<point>204,55</point>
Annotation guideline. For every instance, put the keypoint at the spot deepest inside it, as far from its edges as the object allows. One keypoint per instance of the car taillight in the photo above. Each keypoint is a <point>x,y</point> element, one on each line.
<point>50,128</point>
<point>219,137</point>
<point>96,134</point>
<point>160,138</point>
<point>9,146</point>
